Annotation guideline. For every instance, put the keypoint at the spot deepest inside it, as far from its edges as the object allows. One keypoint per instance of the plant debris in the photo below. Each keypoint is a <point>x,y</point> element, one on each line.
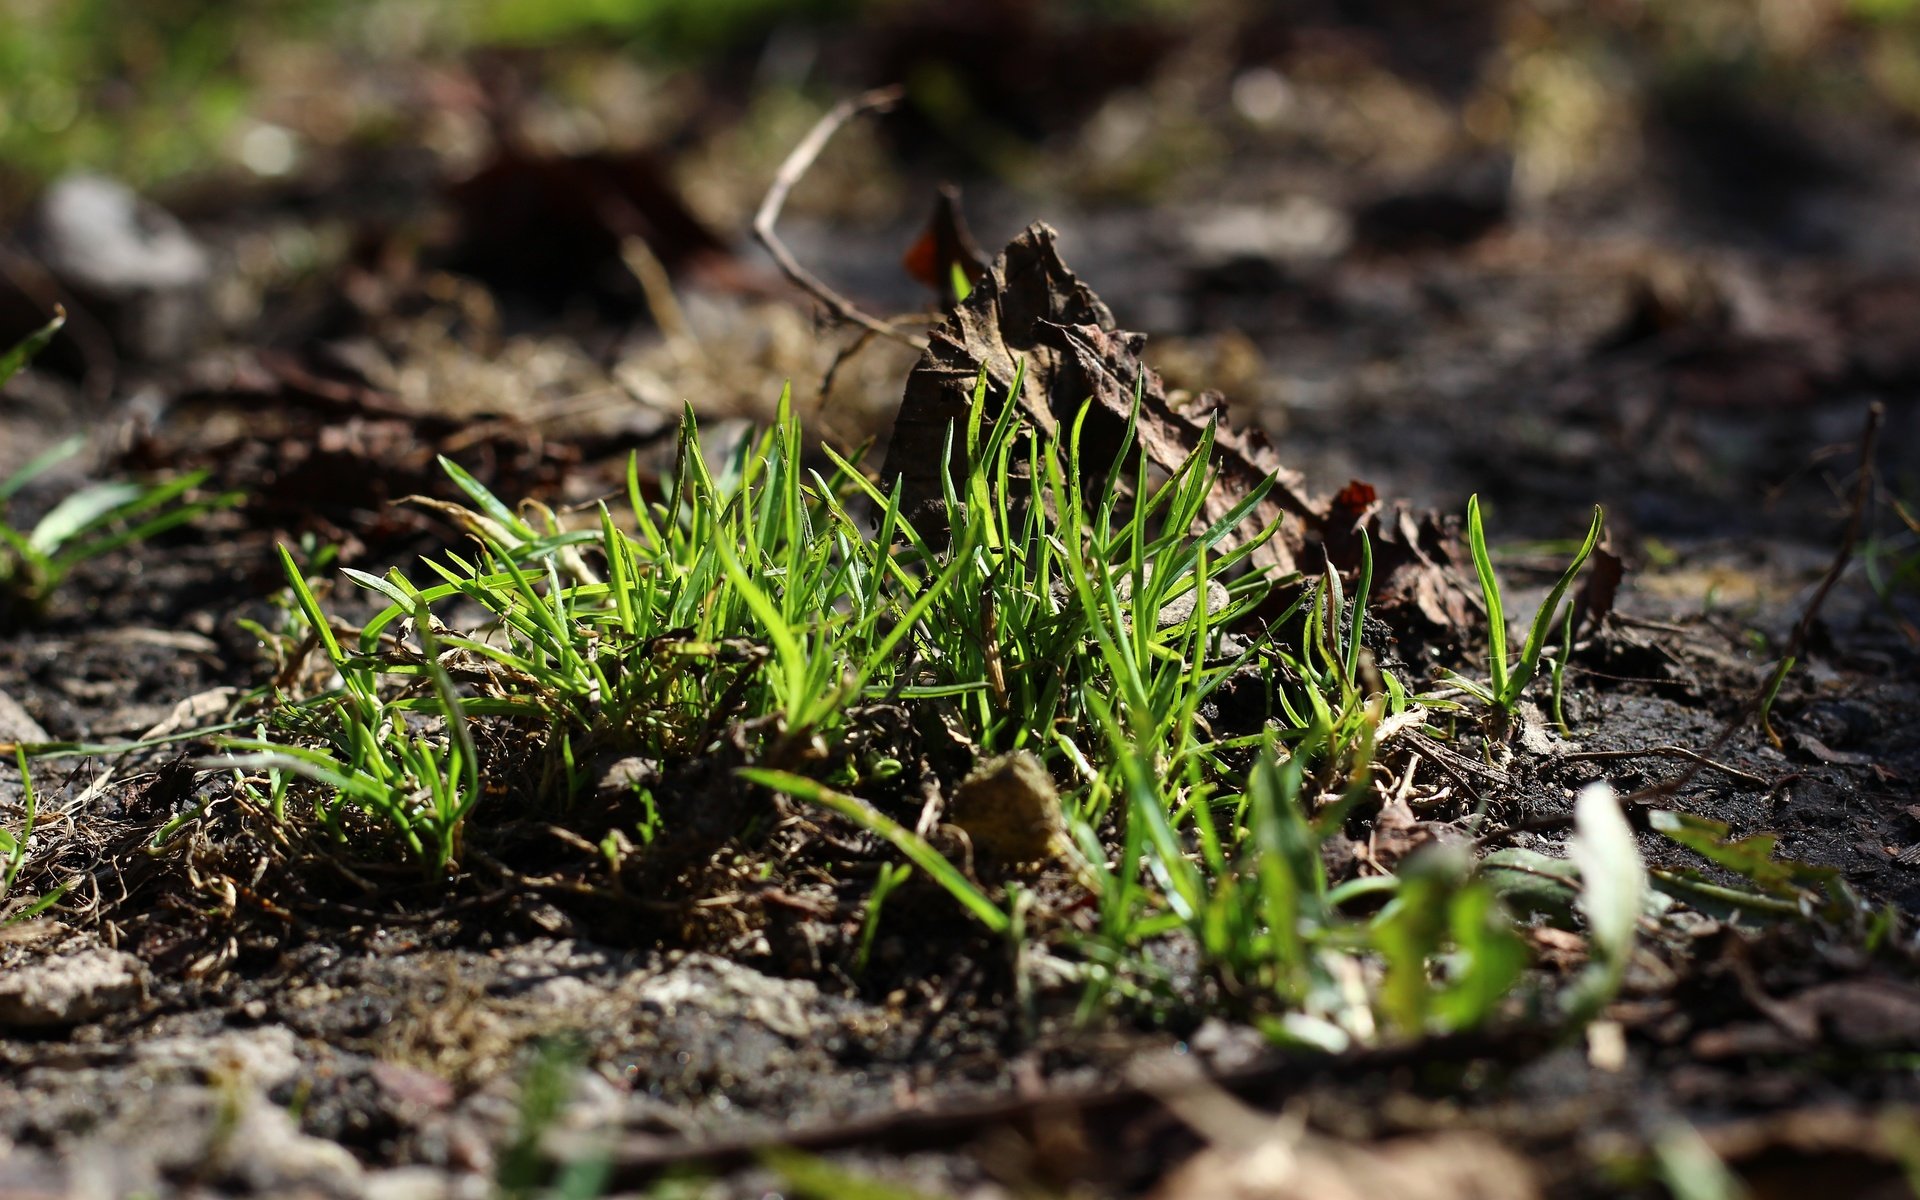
<point>528,753</point>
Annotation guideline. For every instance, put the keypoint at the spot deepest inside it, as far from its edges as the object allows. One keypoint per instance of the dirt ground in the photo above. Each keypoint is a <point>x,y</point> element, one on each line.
<point>1692,341</point>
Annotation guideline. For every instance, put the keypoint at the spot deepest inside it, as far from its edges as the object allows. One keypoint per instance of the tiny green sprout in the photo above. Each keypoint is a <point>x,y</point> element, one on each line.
<point>1771,694</point>
<point>95,520</point>
<point>1510,675</point>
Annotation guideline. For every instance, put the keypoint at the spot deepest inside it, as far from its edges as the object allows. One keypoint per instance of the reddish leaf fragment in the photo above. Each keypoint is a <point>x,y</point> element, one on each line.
<point>945,251</point>
<point>1346,516</point>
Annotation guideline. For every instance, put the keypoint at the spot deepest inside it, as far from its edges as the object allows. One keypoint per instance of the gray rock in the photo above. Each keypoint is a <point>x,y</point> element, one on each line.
<point>619,778</point>
<point>1179,608</point>
<point>264,1058</point>
<point>722,990</point>
<point>18,725</point>
<point>130,262</point>
<point>268,1154</point>
<point>70,990</point>
<point>234,1139</point>
<point>425,1183</point>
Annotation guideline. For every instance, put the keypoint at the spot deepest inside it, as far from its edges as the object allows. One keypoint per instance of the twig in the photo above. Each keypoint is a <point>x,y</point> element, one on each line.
<point>1669,751</point>
<point>1802,630</point>
<point>840,359</point>
<point>790,173</point>
<point>1105,1109</point>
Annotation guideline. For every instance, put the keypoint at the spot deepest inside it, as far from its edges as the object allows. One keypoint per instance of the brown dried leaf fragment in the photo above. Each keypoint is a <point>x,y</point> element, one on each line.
<point>1029,306</point>
<point>1009,810</point>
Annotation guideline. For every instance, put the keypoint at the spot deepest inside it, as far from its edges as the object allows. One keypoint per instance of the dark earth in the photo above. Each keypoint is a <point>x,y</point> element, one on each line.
<point>1683,310</point>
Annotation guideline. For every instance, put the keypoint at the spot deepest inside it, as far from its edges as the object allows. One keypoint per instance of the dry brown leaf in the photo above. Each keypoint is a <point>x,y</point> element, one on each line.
<point>1031,307</point>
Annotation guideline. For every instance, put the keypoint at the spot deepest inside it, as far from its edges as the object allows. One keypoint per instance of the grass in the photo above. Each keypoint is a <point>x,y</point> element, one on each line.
<point>1892,562</point>
<point>151,92</point>
<point>1510,675</point>
<point>523,1171</point>
<point>13,853</point>
<point>85,524</point>
<point>760,612</point>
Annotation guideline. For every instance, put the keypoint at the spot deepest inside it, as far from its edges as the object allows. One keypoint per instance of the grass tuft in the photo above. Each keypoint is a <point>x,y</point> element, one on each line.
<point>758,612</point>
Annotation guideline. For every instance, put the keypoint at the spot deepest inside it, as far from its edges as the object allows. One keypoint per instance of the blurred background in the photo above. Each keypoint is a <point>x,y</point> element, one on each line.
<point>1540,249</point>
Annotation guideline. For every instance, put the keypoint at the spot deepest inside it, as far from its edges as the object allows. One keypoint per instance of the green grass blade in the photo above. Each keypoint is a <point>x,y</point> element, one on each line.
<point>1490,592</point>
<point>15,359</point>
<point>310,606</point>
<point>912,845</point>
<point>489,503</point>
<point>42,462</point>
<point>1543,619</point>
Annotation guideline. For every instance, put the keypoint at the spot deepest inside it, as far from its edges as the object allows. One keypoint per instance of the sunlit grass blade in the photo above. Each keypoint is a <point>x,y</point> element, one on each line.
<point>912,845</point>
<point>1490,593</point>
<point>1543,618</point>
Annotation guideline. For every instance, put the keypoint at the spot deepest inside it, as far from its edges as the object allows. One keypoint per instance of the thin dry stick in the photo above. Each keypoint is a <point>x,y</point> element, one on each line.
<point>1666,751</point>
<point>790,173</point>
<point>1803,629</point>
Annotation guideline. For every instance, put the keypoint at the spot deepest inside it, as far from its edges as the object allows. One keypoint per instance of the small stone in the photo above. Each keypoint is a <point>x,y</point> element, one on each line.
<point>424,1183</point>
<point>132,263</point>
<point>1226,1047</point>
<point>264,1058</point>
<point>1009,809</point>
<point>724,990</point>
<point>17,724</point>
<point>58,992</point>
<point>1177,609</point>
<point>268,1155</point>
<point>617,778</point>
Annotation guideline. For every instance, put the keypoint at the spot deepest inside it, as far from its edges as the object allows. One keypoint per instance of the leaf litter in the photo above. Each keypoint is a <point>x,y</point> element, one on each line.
<point>293,943</point>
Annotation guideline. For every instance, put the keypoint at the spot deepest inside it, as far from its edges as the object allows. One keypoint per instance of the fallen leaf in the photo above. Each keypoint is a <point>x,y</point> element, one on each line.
<point>1029,306</point>
<point>1605,570</point>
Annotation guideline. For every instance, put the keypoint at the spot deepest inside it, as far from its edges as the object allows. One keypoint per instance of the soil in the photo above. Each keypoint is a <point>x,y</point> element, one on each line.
<point>208,1020</point>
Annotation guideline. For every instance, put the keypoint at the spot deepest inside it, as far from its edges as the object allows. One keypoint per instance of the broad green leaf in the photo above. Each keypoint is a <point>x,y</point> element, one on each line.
<point>1531,884</point>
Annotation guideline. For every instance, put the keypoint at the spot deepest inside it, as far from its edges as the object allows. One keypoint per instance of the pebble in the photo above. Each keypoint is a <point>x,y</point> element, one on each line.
<point>70,990</point>
<point>17,724</point>
<point>131,263</point>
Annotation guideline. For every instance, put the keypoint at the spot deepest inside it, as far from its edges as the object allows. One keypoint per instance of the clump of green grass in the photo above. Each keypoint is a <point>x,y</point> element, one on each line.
<point>752,613</point>
<point>95,520</point>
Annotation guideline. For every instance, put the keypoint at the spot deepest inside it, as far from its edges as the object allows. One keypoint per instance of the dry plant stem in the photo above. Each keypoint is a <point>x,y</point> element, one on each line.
<point>841,359</point>
<point>1669,752</point>
<point>1803,629</point>
<point>1703,760</point>
<point>790,173</point>
<point>657,287</point>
